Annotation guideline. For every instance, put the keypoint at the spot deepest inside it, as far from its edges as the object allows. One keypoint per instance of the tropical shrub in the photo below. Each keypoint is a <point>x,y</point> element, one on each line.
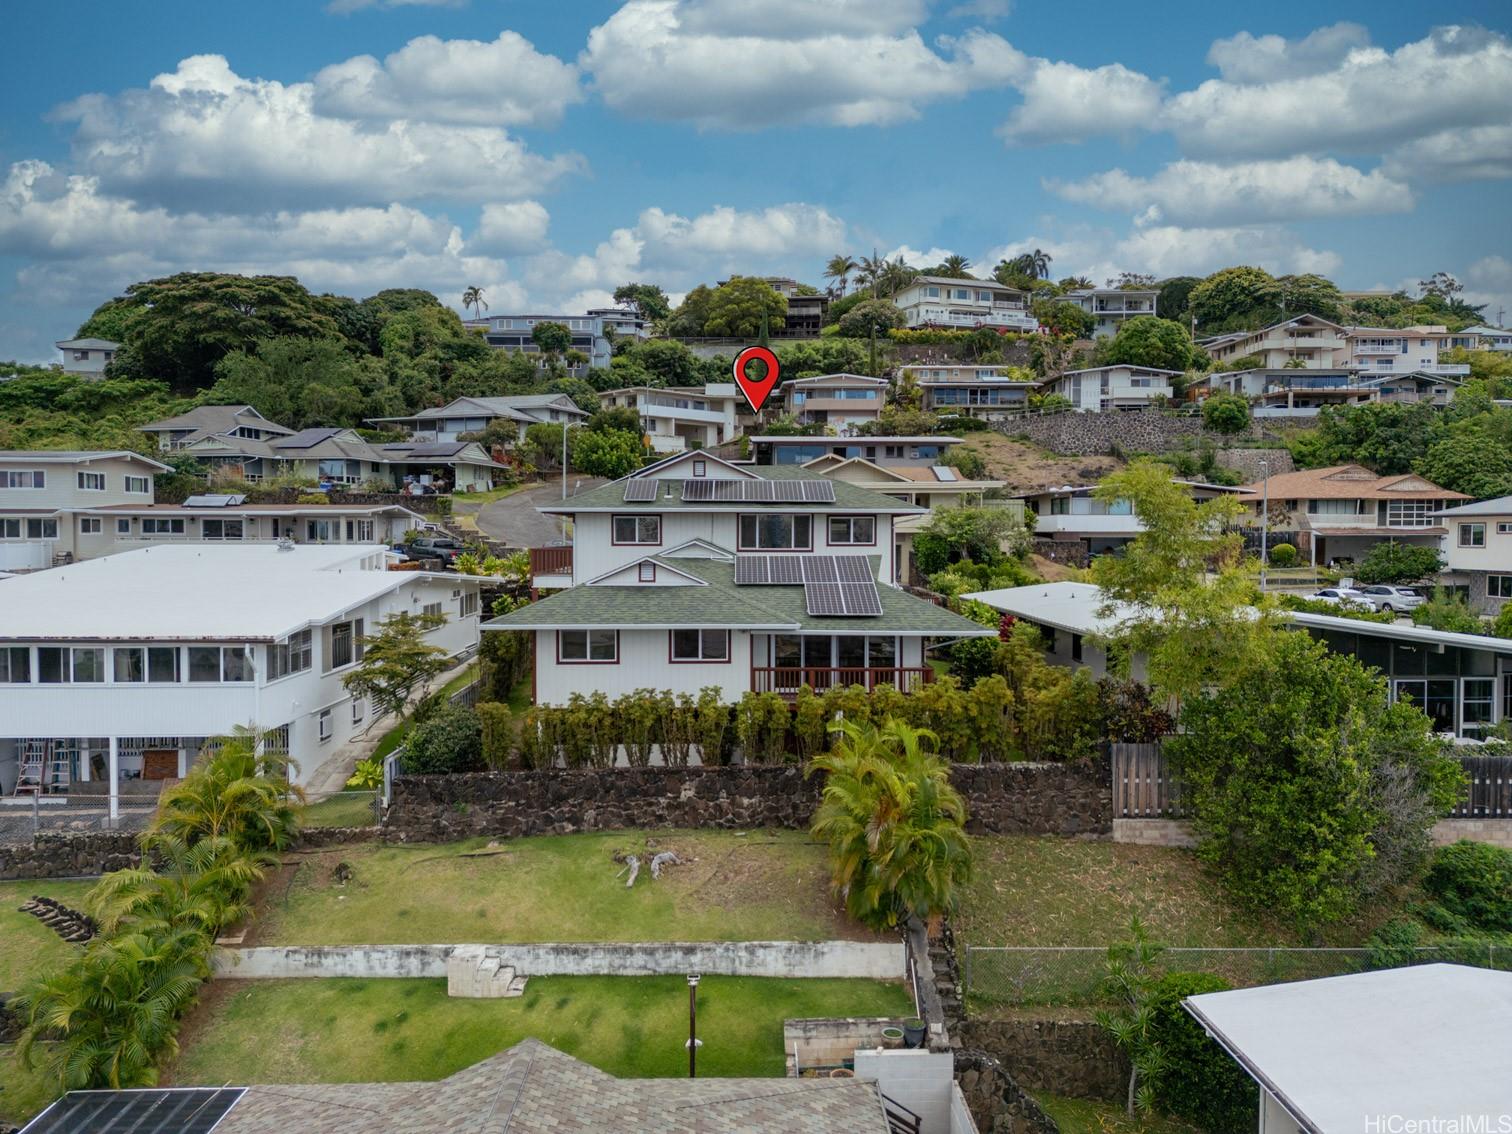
<point>1226,413</point>
<point>1283,555</point>
<point>498,733</point>
<point>712,726</point>
<point>761,724</point>
<point>448,742</point>
<point>1473,881</point>
<point>1446,610</point>
<point>639,715</point>
<point>1399,563</point>
<point>1197,1081</point>
<point>232,792</point>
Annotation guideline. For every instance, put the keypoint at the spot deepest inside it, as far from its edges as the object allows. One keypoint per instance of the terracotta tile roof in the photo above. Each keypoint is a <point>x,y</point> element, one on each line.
<point>1349,482</point>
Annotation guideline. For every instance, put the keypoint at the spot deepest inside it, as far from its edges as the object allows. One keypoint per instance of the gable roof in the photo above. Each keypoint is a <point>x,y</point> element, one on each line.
<point>1497,506</point>
<point>207,421</point>
<point>844,378</point>
<point>1349,482</point>
<point>87,344</point>
<point>611,497</point>
<point>77,457</point>
<point>745,470</point>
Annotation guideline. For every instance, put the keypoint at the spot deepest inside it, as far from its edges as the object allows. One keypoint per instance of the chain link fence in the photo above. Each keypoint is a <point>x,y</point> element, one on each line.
<point>1005,976</point>
<point>345,808</point>
<point>20,820</point>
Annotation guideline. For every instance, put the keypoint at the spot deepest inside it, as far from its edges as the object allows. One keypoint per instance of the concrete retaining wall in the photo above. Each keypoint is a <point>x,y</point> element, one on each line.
<point>1497,832</point>
<point>787,959</point>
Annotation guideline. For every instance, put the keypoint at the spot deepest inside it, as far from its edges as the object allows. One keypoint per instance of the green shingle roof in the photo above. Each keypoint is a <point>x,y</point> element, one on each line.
<point>722,604</point>
<point>848,498</point>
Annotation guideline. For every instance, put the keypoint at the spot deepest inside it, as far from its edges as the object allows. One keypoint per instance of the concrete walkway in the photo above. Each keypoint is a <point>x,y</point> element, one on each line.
<point>514,521</point>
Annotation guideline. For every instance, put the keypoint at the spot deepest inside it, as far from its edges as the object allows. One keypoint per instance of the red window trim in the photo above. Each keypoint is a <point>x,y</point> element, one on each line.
<point>615,517</point>
<point>729,649</point>
<point>739,546</point>
<point>852,517</point>
<point>585,661</point>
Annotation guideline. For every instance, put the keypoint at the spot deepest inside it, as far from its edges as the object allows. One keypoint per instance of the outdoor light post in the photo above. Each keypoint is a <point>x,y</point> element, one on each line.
<point>694,1043</point>
<point>1264,522</point>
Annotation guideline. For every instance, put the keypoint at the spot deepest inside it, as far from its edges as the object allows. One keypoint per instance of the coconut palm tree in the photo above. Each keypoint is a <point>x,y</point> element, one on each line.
<point>894,823</point>
<point>839,269</point>
<point>869,272</point>
<point>1076,283</point>
<point>895,276</point>
<point>955,267</point>
<point>473,297</point>
<point>234,792</point>
<point>203,886</point>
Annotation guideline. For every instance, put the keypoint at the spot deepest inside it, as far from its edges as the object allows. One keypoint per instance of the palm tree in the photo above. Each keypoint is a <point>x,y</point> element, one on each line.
<point>1076,283</point>
<point>839,269</point>
<point>955,267</point>
<point>1035,265</point>
<point>473,297</point>
<point>869,272</point>
<point>895,277</point>
<point>201,886</point>
<point>234,792</point>
<point>894,823</point>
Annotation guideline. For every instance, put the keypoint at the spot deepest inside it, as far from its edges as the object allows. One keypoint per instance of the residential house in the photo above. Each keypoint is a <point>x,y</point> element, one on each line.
<point>228,518</point>
<point>1110,306</point>
<point>972,389</point>
<point>1339,513</point>
<point>475,414</point>
<point>594,333</point>
<point>1399,350</point>
<point>769,449</point>
<point>1477,551</point>
<point>119,668</point>
<point>1424,1044</point>
<point>43,492</point>
<point>87,358</point>
<point>1121,387</point>
<point>1481,337</point>
<point>1305,341</point>
<point>698,572</point>
<point>928,486</point>
<point>340,457</point>
<point>1299,392</point>
<point>675,418</point>
<point>941,301</point>
<point>1463,682</point>
<point>1073,513</point>
<point>213,421</point>
<point>840,401</point>
<point>806,308</point>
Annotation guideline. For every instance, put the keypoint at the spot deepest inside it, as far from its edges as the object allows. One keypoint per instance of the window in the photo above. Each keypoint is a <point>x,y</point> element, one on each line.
<point>985,296</point>
<point>220,663</point>
<point>1076,647</point>
<point>853,529</point>
<point>294,654</point>
<point>932,293</point>
<point>1504,529</point>
<point>1472,535</point>
<point>321,531</point>
<point>960,293</point>
<point>89,664</point>
<point>1499,586</point>
<point>1334,507</point>
<point>637,529</point>
<point>432,610</point>
<point>89,525</point>
<point>221,529</point>
<point>776,532</point>
<point>92,481</point>
<point>587,646</point>
<point>130,664</point>
<point>467,605</point>
<point>162,665</point>
<point>138,484</point>
<point>700,468</point>
<point>359,708</point>
<point>700,645</point>
<point>162,527</point>
<point>15,665</point>
<point>1477,706</point>
<point>359,531</point>
<point>325,725</point>
<point>23,478</point>
<point>204,663</point>
<point>58,665</point>
<point>345,644</point>
<point>647,573</point>
<point>1409,513</point>
<point>123,527</point>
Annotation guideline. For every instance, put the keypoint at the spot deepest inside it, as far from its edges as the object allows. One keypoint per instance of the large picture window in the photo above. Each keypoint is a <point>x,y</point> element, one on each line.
<point>700,645</point>
<point>586,647</point>
<point>1499,586</point>
<point>776,531</point>
<point>852,530</point>
<point>637,529</point>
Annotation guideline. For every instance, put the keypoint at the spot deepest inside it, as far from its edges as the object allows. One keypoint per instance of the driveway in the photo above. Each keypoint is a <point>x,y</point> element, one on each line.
<point>514,521</point>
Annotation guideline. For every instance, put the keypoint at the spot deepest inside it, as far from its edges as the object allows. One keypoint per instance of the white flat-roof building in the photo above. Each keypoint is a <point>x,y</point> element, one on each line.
<point>1413,1049</point>
<point>119,668</point>
<point>1110,306</point>
<point>675,418</point>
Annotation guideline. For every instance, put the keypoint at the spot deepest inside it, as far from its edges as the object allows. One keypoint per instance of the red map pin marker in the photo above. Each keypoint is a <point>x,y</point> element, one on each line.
<point>756,389</point>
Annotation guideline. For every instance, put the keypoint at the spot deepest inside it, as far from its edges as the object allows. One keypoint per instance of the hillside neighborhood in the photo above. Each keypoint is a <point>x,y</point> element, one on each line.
<point>740,680</point>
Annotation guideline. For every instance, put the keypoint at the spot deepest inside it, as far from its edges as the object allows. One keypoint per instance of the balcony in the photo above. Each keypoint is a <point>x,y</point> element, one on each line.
<point>1006,316</point>
<point>551,567</point>
<point>785,680</point>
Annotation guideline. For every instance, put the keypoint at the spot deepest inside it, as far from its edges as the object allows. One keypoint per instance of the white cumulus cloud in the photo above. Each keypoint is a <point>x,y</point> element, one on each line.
<point>1479,153</point>
<point>1171,250</point>
<point>507,227</point>
<point>1067,103</point>
<point>1246,58</point>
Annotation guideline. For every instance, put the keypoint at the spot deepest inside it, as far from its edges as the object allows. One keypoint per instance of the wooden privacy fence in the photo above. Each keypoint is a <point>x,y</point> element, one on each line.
<point>1144,788</point>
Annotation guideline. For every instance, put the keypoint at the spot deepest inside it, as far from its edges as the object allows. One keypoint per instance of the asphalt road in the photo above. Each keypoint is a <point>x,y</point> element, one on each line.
<point>514,520</point>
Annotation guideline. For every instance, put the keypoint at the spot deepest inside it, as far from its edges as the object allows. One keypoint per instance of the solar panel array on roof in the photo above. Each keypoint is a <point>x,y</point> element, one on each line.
<point>823,598</point>
<point>842,599</point>
<point>186,1110</point>
<point>791,570</point>
<point>306,439</point>
<point>944,472</point>
<point>213,500</point>
<point>639,491</point>
<point>760,491</point>
<point>438,449</point>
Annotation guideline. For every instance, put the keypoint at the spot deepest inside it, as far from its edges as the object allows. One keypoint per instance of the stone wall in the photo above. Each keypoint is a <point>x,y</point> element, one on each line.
<point>998,1104</point>
<point>69,855</point>
<point>1071,552</point>
<point>1087,434</point>
<point>1497,832</point>
<point>1059,1055</point>
<point>1012,798</point>
<point>313,838</point>
<point>1246,462</point>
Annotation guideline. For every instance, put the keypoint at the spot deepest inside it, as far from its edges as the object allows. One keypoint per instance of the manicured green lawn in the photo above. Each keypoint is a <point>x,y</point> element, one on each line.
<point>765,885</point>
<point>345,809</point>
<point>27,947</point>
<point>23,1092</point>
<point>331,1031</point>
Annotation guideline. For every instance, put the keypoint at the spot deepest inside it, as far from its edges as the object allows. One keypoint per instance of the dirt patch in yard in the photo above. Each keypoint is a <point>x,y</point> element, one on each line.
<point>1026,467</point>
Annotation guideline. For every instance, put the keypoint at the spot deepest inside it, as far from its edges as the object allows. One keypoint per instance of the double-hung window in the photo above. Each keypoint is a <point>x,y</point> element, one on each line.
<point>700,645</point>
<point>637,529</point>
<point>139,484</point>
<point>344,641</point>
<point>89,525</point>
<point>1472,535</point>
<point>852,530</point>
<point>92,481</point>
<point>580,647</point>
<point>15,665</point>
<point>467,604</point>
<point>776,531</point>
<point>23,478</point>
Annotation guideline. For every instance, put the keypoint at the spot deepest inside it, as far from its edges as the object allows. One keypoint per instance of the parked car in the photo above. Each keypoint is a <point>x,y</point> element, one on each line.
<point>1382,597</point>
<point>444,548</point>
<point>1343,596</point>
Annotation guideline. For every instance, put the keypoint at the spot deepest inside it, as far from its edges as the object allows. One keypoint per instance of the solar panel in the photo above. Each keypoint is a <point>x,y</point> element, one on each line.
<point>861,598</point>
<point>820,569</point>
<point>187,1110</point>
<point>944,472</point>
<point>823,598</point>
<point>818,491</point>
<point>786,570</point>
<point>698,489</point>
<point>213,500</point>
<point>758,491</point>
<point>750,570</point>
<point>787,491</point>
<point>854,569</point>
<point>640,491</point>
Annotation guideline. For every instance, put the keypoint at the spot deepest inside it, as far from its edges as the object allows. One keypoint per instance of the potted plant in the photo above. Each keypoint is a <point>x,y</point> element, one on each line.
<point>914,1032</point>
<point>892,1036</point>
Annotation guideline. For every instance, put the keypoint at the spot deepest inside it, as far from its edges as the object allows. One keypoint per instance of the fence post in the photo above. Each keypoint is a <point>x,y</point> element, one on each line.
<point>966,989</point>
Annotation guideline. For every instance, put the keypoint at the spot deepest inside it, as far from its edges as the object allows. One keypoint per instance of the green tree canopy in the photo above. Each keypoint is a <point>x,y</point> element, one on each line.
<point>1226,413</point>
<point>1147,341</point>
<point>875,316</point>
<point>648,300</point>
<point>611,453</point>
<point>1233,299</point>
<point>1061,317</point>
<point>1173,299</point>
<point>692,314</point>
<point>553,338</point>
<point>1470,458</point>
<point>735,310</point>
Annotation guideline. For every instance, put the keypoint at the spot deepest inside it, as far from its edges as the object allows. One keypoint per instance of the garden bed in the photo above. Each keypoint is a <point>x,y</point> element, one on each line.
<point>758,886</point>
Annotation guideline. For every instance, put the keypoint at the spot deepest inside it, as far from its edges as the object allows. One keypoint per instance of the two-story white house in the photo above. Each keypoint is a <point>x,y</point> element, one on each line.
<point>1389,350</point>
<point>473,415</point>
<point>699,572</point>
<point>1303,342</point>
<point>1477,551</point>
<point>675,418</point>
<point>841,402</point>
<point>87,358</point>
<point>1074,514</point>
<point>1302,392</point>
<point>782,449</point>
<point>982,390</point>
<point>594,333</point>
<point>1119,387</point>
<point>941,301</point>
<point>1110,306</point>
<point>43,493</point>
<point>118,669</point>
<point>1341,512</point>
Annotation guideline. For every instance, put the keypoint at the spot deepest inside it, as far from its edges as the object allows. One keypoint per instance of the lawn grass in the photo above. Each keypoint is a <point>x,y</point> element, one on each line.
<point>765,885</point>
<point>27,947</point>
<point>24,1092</point>
<point>1084,1116</point>
<point>331,1031</point>
<point>344,809</point>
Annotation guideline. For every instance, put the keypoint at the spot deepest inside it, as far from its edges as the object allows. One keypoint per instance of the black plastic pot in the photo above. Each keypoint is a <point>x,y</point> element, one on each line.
<point>914,1032</point>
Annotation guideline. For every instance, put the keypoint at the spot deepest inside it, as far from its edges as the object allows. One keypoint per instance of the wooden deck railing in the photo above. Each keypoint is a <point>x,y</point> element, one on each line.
<point>787,679</point>
<point>551,560</point>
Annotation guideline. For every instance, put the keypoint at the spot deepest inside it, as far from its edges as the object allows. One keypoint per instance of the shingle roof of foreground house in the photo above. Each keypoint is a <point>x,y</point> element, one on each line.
<point>1350,482</point>
<point>532,1088</point>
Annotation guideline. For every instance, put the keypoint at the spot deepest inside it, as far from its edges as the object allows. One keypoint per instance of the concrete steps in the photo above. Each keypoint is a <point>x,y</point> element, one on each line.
<point>478,972</point>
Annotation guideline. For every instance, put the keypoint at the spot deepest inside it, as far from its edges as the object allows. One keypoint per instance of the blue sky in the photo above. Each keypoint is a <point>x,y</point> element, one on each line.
<point>548,152</point>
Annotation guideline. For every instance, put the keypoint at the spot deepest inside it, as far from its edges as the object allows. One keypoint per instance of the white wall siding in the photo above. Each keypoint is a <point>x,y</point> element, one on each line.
<point>643,664</point>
